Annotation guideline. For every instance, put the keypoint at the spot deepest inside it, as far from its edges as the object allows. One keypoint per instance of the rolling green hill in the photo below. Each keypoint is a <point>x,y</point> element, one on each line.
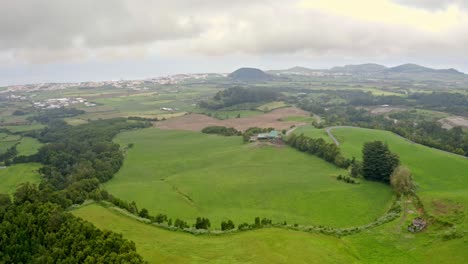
<point>188,174</point>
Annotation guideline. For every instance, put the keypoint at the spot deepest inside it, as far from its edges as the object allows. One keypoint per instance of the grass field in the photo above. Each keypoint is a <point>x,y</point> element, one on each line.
<point>26,145</point>
<point>310,131</point>
<point>12,176</point>
<point>170,171</point>
<point>22,128</point>
<point>270,245</point>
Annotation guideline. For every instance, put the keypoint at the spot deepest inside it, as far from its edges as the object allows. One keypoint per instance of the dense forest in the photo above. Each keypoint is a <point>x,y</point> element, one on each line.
<point>75,160</point>
<point>34,231</point>
<point>238,95</point>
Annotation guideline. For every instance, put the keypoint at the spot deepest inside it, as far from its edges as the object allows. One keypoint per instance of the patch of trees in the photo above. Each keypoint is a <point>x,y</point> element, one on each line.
<point>48,115</point>
<point>378,162</point>
<point>221,130</point>
<point>227,225</point>
<point>239,95</point>
<point>143,119</point>
<point>42,232</point>
<point>319,147</point>
<point>346,179</point>
<point>77,158</point>
<point>19,113</point>
<point>401,181</point>
<point>202,223</point>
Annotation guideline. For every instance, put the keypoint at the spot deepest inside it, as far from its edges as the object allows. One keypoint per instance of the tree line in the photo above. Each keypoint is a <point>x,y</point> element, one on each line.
<point>319,147</point>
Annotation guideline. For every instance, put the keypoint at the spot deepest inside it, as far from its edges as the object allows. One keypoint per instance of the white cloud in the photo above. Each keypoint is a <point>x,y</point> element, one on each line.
<point>55,30</point>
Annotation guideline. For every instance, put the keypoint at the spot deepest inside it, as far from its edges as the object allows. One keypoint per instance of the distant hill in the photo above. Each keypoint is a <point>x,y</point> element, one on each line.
<point>250,75</point>
<point>360,68</point>
<point>414,68</point>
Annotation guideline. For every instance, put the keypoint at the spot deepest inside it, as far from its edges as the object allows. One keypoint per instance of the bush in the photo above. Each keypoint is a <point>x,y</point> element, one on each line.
<point>228,225</point>
<point>202,223</point>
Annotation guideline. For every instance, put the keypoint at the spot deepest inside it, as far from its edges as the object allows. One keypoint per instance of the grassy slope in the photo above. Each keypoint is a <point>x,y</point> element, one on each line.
<point>313,132</point>
<point>14,175</point>
<point>187,174</point>
<point>261,246</point>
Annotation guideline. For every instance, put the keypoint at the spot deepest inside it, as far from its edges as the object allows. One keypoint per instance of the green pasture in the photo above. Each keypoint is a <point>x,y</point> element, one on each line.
<point>12,176</point>
<point>187,174</point>
<point>269,245</point>
<point>26,145</point>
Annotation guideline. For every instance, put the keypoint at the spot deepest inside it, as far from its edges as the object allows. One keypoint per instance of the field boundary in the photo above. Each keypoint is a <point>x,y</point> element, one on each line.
<point>392,213</point>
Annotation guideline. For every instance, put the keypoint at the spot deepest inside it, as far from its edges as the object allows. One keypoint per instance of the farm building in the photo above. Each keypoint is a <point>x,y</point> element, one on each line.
<point>266,136</point>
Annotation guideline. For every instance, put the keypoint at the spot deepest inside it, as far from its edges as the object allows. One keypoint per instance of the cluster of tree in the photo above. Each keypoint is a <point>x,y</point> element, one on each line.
<point>346,179</point>
<point>456,103</point>
<point>239,95</point>
<point>143,119</point>
<point>402,181</point>
<point>33,231</point>
<point>19,112</point>
<point>77,158</point>
<point>258,223</point>
<point>202,223</point>
<point>253,131</point>
<point>378,162</point>
<point>49,115</point>
<point>317,146</point>
<point>221,130</point>
<point>227,225</point>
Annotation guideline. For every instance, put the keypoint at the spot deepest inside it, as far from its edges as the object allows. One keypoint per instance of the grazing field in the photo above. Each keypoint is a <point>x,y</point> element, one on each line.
<point>12,176</point>
<point>197,122</point>
<point>270,245</point>
<point>442,177</point>
<point>310,131</point>
<point>170,172</point>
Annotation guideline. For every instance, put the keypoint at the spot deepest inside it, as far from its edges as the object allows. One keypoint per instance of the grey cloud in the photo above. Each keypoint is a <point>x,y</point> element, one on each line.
<point>433,4</point>
<point>57,30</point>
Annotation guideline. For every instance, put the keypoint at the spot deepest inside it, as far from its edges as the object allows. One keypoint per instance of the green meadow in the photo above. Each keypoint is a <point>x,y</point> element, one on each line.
<point>26,145</point>
<point>12,176</point>
<point>188,174</point>
<point>389,243</point>
<point>268,245</point>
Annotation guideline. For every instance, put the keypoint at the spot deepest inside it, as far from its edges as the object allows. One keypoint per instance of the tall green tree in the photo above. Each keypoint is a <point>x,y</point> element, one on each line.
<point>378,162</point>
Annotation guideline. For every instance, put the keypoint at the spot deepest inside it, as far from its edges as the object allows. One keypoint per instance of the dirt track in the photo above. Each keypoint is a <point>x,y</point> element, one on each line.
<point>196,122</point>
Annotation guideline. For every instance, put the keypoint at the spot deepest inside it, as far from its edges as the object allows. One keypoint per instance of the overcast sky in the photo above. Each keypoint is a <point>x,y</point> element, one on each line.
<point>79,40</point>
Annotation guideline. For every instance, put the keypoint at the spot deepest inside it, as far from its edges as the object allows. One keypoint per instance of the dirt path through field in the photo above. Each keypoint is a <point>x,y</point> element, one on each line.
<point>196,122</point>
